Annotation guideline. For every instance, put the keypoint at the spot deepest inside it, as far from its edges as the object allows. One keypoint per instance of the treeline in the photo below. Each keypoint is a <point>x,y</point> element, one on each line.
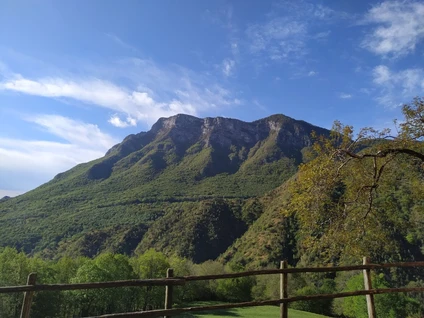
<point>15,267</point>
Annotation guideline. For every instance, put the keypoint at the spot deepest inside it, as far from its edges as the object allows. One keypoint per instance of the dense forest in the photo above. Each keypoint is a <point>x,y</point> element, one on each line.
<point>341,196</point>
<point>15,266</point>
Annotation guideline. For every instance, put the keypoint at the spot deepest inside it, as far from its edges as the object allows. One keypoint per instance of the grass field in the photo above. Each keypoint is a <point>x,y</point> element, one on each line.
<point>250,312</point>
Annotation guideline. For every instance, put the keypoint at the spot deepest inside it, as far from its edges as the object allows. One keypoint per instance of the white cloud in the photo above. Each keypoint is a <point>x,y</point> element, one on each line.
<point>397,87</point>
<point>228,67</point>
<point>400,27</point>
<point>381,74</point>
<point>158,92</point>
<point>73,131</point>
<point>135,104</point>
<point>345,96</point>
<point>25,164</point>
<point>312,73</point>
<point>116,121</point>
<point>93,91</point>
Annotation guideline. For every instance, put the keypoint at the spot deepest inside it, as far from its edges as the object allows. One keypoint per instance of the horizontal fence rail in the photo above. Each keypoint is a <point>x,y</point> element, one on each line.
<point>97,285</point>
<point>183,279</point>
<point>304,270</point>
<point>171,281</point>
<point>178,311</point>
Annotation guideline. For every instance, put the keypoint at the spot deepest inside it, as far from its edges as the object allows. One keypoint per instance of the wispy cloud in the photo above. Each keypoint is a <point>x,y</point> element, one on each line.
<point>280,38</point>
<point>312,73</point>
<point>155,92</point>
<point>93,91</point>
<point>224,19</point>
<point>309,9</point>
<point>285,33</point>
<point>345,96</point>
<point>397,87</point>
<point>73,131</point>
<point>259,105</point>
<point>228,67</point>
<point>37,161</point>
<point>321,36</point>
<point>116,39</point>
<point>400,27</point>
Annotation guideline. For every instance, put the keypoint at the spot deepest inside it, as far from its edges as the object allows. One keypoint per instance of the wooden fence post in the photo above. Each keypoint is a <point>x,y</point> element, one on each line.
<point>284,313</point>
<point>26,306</point>
<point>168,291</point>
<point>368,286</point>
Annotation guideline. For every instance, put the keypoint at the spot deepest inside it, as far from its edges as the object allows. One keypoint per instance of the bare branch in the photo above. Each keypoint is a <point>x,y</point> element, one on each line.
<point>385,153</point>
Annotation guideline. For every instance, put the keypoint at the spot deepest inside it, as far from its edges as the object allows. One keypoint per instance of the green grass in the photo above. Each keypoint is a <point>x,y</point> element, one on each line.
<point>249,312</point>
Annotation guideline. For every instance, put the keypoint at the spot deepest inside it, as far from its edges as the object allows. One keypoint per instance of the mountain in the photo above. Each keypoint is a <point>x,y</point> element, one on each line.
<point>5,198</point>
<point>182,186</point>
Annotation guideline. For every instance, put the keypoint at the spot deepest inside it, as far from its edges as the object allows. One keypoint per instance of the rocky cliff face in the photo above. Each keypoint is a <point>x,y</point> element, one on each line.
<point>225,132</point>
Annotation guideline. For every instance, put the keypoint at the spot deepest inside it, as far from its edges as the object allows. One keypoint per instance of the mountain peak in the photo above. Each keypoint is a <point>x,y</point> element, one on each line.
<point>179,120</point>
<point>5,198</point>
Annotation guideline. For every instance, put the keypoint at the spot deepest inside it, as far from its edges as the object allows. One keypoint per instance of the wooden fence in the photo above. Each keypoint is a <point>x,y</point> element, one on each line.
<point>170,281</point>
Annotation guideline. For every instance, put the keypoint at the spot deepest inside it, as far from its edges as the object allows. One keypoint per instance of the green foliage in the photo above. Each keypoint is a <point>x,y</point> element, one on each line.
<point>14,269</point>
<point>235,289</point>
<point>359,191</point>
<point>105,267</point>
<point>151,264</point>
<point>271,238</point>
<point>201,232</point>
<point>386,305</point>
<point>267,287</point>
<point>108,204</point>
<point>251,210</point>
<point>324,307</point>
<point>203,199</point>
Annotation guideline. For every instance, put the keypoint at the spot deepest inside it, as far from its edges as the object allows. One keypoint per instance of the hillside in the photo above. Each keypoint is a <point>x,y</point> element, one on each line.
<point>270,239</point>
<point>159,183</point>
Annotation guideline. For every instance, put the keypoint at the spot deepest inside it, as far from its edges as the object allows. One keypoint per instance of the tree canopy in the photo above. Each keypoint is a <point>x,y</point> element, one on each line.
<point>359,191</point>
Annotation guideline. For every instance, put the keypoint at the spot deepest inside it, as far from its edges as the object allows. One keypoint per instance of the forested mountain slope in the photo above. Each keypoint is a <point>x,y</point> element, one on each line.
<point>143,185</point>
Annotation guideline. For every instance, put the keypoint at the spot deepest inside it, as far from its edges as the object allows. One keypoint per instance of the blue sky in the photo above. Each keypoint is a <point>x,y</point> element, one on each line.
<point>76,77</point>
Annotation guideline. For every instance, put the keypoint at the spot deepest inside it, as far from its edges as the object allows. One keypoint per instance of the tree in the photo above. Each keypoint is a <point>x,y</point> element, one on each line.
<point>323,307</point>
<point>187,292</point>
<point>350,197</point>
<point>386,305</point>
<point>151,264</point>
<point>14,270</point>
<point>235,289</point>
<point>105,267</point>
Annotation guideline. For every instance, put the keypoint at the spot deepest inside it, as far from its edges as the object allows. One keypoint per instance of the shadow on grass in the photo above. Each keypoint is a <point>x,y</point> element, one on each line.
<point>217,313</point>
